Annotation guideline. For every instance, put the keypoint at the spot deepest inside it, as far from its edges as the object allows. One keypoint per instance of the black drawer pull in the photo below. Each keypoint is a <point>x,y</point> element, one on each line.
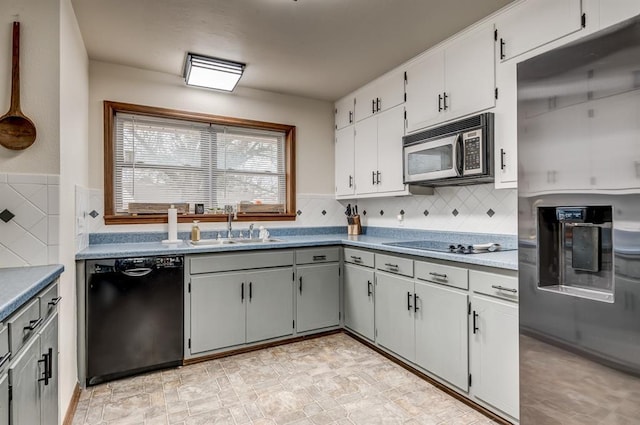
<point>300,285</point>
<point>369,291</point>
<point>33,324</point>
<point>242,292</point>
<point>319,257</point>
<point>250,290</point>
<point>5,358</point>
<point>356,259</point>
<point>392,267</point>
<point>409,306</point>
<point>502,288</point>
<point>54,301</point>
<point>438,275</point>
<point>475,325</point>
<point>415,302</point>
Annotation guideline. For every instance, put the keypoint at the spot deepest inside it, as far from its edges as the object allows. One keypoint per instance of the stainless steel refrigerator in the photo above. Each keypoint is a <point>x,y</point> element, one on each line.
<point>579,231</point>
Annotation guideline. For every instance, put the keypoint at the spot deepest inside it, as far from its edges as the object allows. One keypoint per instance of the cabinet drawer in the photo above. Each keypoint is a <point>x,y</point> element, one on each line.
<point>4,347</point>
<point>356,256</point>
<point>245,261</point>
<point>23,324</point>
<point>495,285</point>
<point>445,275</point>
<point>395,265</point>
<point>49,300</point>
<point>317,255</point>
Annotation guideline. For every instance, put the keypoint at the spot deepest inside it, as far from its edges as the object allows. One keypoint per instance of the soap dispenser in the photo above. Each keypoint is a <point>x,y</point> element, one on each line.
<point>195,231</point>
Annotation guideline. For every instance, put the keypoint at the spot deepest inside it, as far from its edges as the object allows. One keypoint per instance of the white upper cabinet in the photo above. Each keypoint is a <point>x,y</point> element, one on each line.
<point>380,95</point>
<point>614,11</point>
<point>454,80</point>
<point>344,162</point>
<point>344,112</point>
<point>533,23</point>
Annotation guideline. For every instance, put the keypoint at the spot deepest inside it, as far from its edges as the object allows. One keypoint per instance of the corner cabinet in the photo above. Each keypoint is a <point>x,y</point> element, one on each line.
<point>451,81</point>
<point>318,288</point>
<point>29,363</point>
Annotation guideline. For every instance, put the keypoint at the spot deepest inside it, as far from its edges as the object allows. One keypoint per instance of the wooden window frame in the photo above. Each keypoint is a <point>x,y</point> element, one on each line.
<point>111,217</point>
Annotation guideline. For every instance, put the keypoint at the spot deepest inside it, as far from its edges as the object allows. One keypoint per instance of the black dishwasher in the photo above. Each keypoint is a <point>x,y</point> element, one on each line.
<point>134,316</point>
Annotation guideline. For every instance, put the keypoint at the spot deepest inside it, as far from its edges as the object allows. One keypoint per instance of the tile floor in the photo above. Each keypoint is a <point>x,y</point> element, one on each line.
<point>327,380</point>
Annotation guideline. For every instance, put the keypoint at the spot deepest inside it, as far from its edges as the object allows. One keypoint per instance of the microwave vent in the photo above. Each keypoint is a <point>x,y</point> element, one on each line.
<point>450,128</point>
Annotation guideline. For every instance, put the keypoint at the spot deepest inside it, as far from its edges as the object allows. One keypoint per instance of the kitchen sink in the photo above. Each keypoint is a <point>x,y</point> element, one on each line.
<point>231,241</point>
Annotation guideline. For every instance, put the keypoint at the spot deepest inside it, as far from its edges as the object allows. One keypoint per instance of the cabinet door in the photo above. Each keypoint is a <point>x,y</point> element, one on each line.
<point>614,11</point>
<point>366,155</point>
<point>390,132</point>
<point>390,91</point>
<point>365,103</point>
<point>270,304</point>
<point>23,378</point>
<point>49,390</point>
<point>4,399</point>
<point>506,127</point>
<point>217,311</point>
<point>470,73</point>
<point>359,300</point>
<point>442,336</point>
<point>318,299</point>
<point>344,163</point>
<point>394,314</point>
<point>533,23</point>
<point>425,82</point>
<point>494,366</point>
<point>344,112</point>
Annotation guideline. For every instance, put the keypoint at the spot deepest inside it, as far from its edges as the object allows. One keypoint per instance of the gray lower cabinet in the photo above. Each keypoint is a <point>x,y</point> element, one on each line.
<point>359,300</point>
<point>4,399</point>
<point>318,296</point>
<point>442,337</point>
<point>49,387</point>
<point>24,374</point>
<point>234,308</point>
<point>394,314</point>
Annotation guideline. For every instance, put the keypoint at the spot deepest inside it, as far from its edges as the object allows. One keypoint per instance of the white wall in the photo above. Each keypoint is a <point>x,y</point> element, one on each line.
<point>74,156</point>
<point>39,69</point>
<point>313,118</point>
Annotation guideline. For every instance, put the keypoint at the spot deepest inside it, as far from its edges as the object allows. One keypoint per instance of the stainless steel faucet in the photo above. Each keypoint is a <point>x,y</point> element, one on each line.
<point>229,210</point>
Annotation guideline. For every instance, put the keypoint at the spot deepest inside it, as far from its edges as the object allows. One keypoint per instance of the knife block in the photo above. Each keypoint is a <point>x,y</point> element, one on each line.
<point>355,228</point>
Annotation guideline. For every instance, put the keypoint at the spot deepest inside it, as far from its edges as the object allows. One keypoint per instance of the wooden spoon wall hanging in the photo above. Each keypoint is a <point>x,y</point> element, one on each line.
<point>17,132</point>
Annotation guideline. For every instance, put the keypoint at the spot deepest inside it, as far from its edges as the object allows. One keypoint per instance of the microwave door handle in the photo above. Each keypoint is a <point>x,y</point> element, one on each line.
<point>459,155</point>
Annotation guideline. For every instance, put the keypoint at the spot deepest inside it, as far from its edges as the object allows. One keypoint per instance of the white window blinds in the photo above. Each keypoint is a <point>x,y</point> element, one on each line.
<point>174,161</point>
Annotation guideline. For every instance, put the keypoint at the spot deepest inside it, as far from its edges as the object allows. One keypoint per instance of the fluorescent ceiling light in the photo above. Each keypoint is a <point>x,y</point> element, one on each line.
<point>213,73</point>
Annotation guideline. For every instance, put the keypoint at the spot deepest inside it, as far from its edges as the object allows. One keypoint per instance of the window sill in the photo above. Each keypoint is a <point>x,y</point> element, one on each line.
<point>188,218</point>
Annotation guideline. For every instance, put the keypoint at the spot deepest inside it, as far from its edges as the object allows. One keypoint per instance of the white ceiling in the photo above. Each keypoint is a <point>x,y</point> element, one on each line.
<point>321,49</point>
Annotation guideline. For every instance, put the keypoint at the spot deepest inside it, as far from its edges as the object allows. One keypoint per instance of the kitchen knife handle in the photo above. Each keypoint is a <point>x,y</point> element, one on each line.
<point>502,288</point>
<point>475,325</point>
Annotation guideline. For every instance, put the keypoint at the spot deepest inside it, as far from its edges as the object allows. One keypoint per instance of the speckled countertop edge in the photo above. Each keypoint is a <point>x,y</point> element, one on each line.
<point>504,260</point>
<point>19,284</point>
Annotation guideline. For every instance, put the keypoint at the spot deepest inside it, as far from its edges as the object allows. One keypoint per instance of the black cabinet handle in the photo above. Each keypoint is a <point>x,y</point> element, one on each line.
<point>415,302</point>
<point>319,257</point>
<point>501,159</point>
<point>409,306</point>
<point>438,275</point>
<point>378,104</point>
<point>373,106</point>
<point>475,325</point>
<point>47,359</point>
<point>33,324</point>
<point>369,291</point>
<point>300,280</point>
<point>373,177</point>
<point>350,117</point>
<point>250,291</point>
<point>502,54</point>
<point>356,259</point>
<point>378,173</point>
<point>439,103</point>
<point>242,292</point>
<point>54,301</point>
<point>5,358</point>
<point>50,359</point>
<point>350,181</point>
<point>444,98</point>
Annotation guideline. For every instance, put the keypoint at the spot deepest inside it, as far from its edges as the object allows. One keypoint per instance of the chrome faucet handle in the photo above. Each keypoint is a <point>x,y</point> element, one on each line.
<point>251,231</point>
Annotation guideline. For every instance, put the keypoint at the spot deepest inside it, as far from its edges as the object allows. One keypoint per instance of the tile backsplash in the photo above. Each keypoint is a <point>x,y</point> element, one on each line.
<point>477,208</point>
<point>29,219</point>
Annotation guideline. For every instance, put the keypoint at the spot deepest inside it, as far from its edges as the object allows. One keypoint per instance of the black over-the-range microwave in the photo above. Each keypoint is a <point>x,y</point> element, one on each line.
<point>459,152</point>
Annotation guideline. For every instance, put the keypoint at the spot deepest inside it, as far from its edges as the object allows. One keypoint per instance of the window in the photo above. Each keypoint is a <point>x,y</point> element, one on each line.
<point>160,156</point>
